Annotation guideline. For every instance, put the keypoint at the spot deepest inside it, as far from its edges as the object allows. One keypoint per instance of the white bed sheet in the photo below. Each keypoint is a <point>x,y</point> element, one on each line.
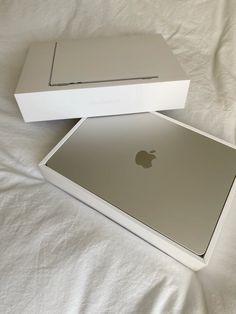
<point>56,254</point>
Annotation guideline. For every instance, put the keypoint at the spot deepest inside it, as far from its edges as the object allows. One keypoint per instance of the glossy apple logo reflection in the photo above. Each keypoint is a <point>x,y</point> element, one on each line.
<point>144,158</point>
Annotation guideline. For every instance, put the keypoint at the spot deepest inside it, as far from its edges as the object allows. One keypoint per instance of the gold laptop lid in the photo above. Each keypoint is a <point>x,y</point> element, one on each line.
<point>170,178</point>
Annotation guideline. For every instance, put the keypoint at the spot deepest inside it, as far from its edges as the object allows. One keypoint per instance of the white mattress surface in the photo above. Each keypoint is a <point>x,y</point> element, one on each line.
<point>57,255</point>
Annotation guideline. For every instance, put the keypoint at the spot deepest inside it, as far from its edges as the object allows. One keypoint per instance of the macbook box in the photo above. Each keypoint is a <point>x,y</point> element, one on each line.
<point>99,77</point>
<point>166,182</point>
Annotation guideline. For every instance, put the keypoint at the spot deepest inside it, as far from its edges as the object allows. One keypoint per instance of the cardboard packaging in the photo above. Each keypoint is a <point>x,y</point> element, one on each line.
<point>99,77</point>
<point>177,205</point>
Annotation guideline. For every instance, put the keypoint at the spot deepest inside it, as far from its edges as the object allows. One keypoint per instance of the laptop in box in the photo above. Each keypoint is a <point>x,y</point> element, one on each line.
<point>165,176</point>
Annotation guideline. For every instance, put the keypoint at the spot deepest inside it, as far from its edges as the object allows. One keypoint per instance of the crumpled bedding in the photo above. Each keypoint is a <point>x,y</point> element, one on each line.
<point>57,255</point>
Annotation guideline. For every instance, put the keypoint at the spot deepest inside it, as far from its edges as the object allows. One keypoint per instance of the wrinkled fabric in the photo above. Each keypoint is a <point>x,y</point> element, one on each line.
<point>57,255</point>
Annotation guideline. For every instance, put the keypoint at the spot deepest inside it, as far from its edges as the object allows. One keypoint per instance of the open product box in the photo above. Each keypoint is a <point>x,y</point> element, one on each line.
<point>166,182</point>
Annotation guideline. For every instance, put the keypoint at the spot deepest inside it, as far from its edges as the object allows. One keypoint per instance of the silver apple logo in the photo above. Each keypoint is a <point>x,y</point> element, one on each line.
<point>144,158</point>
